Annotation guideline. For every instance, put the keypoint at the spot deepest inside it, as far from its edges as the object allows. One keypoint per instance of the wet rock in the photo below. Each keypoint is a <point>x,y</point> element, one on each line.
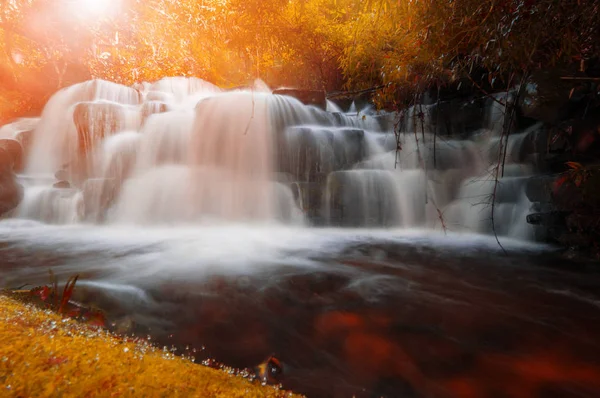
<point>96,120</point>
<point>566,194</point>
<point>270,371</point>
<point>62,175</point>
<point>546,96</point>
<point>310,154</point>
<point>153,107</point>
<point>521,146</point>
<point>385,121</point>
<point>535,140</point>
<point>539,188</point>
<point>308,197</point>
<point>62,185</point>
<point>11,192</point>
<point>158,96</point>
<point>583,136</point>
<point>20,130</point>
<point>14,150</point>
<point>308,97</point>
<point>457,117</point>
<point>549,219</point>
<point>556,163</point>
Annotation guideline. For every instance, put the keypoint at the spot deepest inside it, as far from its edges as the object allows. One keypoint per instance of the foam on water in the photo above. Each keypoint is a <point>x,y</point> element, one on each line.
<point>125,255</point>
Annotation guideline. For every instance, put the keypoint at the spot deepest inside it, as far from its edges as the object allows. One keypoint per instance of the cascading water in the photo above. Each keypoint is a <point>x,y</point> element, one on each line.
<point>186,210</point>
<point>182,151</point>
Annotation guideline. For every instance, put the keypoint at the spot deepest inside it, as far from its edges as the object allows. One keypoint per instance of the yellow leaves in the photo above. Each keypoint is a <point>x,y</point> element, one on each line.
<point>55,357</point>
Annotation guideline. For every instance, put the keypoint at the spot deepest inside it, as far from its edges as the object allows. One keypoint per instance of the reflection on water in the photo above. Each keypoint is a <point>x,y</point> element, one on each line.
<point>348,312</point>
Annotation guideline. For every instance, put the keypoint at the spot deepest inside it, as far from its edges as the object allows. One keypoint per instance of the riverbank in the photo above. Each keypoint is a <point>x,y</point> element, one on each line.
<point>43,355</point>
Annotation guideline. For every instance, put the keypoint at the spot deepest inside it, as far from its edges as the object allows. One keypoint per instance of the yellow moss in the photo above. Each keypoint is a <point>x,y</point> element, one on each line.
<point>44,355</point>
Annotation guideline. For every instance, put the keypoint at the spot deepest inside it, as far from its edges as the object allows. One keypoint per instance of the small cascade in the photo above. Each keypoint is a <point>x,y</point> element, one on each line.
<point>55,137</point>
<point>12,130</point>
<point>362,198</point>
<point>182,151</point>
<point>165,139</point>
<point>332,107</point>
<point>353,109</point>
<point>46,203</point>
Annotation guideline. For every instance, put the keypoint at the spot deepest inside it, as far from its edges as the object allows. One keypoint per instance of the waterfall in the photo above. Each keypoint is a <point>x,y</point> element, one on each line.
<point>182,151</point>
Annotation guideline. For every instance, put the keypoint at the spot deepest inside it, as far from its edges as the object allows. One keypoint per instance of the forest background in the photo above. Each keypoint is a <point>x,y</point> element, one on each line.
<point>394,47</point>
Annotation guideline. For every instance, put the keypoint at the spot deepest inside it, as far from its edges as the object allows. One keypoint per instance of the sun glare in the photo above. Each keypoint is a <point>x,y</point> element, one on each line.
<point>94,8</point>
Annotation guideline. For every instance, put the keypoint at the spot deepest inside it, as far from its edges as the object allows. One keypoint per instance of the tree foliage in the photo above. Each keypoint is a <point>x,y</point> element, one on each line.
<point>324,44</point>
<point>424,42</point>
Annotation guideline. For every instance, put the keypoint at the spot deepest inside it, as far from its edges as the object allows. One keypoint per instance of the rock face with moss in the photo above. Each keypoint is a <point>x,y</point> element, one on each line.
<point>47,356</point>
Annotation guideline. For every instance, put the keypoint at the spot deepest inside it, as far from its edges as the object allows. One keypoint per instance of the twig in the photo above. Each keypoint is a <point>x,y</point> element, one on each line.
<point>20,287</point>
<point>501,159</point>
<point>421,117</point>
<point>423,164</point>
<point>506,128</point>
<point>513,108</point>
<point>484,92</point>
<point>397,135</point>
<point>497,169</point>
<point>441,218</point>
<point>348,93</point>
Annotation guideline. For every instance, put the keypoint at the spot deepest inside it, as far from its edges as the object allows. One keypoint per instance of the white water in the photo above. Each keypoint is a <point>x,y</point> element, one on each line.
<point>183,152</point>
<point>122,255</point>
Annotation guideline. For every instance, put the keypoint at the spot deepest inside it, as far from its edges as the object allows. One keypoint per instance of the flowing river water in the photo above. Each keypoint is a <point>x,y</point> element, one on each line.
<point>238,225</point>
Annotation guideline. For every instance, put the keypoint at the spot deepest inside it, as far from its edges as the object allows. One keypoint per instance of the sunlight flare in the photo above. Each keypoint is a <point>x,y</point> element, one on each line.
<point>93,8</point>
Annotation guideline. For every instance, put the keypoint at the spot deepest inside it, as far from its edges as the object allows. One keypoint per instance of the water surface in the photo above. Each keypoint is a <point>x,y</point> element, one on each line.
<point>395,313</point>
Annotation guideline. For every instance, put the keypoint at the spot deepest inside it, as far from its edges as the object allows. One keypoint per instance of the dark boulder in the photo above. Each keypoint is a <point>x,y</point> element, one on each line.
<point>11,192</point>
<point>311,153</point>
<point>14,150</point>
<point>546,96</point>
<point>548,219</point>
<point>62,185</point>
<point>539,188</point>
<point>456,117</point>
